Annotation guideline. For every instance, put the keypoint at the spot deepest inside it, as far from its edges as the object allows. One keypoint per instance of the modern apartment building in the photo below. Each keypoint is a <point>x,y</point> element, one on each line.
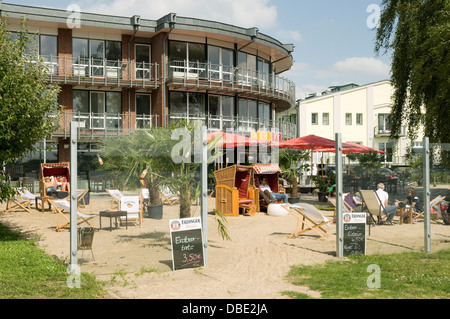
<point>360,113</point>
<point>121,74</point>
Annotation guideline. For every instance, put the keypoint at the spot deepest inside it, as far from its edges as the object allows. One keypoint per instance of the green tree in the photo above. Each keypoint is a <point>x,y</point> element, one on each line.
<point>126,158</point>
<point>417,33</point>
<point>28,103</point>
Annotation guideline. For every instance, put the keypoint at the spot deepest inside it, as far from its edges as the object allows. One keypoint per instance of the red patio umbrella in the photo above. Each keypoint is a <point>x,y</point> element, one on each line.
<point>233,140</point>
<point>309,142</point>
<point>350,148</point>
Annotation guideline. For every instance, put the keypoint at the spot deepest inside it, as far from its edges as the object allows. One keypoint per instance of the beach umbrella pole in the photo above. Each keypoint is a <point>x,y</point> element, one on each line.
<point>339,217</point>
<point>73,267</point>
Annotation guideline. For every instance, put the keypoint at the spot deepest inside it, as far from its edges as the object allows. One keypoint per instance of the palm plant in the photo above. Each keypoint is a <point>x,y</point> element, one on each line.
<point>291,165</point>
<point>152,149</point>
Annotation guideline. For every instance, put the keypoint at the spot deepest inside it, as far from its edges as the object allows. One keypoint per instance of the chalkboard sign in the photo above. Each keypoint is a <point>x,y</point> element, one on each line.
<point>187,243</point>
<point>354,234</point>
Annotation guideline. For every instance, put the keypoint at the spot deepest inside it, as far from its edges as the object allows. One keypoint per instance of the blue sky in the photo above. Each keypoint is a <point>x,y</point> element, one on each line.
<point>334,43</point>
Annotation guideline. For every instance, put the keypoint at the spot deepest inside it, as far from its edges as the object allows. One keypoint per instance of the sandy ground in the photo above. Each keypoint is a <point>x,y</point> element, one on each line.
<point>253,265</point>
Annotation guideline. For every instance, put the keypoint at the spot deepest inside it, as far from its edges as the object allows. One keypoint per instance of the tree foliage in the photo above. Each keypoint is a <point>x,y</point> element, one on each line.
<point>417,32</point>
<point>28,103</point>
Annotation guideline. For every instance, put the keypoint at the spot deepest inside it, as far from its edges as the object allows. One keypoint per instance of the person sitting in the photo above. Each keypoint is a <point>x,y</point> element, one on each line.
<point>266,192</point>
<point>414,202</point>
<point>389,210</point>
<point>354,202</point>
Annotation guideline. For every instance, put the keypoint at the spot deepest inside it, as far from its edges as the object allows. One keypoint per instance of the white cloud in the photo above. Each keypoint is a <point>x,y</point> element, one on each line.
<point>243,13</point>
<point>289,36</point>
<point>363,66</point>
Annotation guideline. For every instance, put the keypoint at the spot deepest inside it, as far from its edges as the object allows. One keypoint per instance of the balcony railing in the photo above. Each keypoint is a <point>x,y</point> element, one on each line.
<point>92,125</point>
<point>228,77</point>
<point>101,71</point>
<point>104,124</point>
<point>239,124</point>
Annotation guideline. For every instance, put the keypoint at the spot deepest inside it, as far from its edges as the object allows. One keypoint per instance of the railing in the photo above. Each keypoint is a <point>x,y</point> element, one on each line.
<point>224,76</point>
<point>101,71</point>
<point>104,124</point>
<point>239,124</point>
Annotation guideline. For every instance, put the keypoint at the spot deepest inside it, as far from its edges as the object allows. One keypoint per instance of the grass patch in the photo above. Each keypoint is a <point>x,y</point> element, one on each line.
<point>402,276</point>
<point>27,272</point>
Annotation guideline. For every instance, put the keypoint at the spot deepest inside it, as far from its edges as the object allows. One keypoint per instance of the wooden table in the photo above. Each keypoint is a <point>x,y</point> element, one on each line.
<point>43,199</point>
<point>111,214</point>
<point>401,212</point>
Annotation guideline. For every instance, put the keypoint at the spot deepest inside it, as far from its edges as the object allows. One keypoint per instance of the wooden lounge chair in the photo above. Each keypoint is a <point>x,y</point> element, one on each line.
<point>434,202</point>
<point>131,204</point>
<point>168,197</point>
<point>81,193</point>
<point>346,207</point>
<point>115,198</point>
<point>62,207</point>
<point>372,206</point>
<point>310,218</point>
<point>22,200</point>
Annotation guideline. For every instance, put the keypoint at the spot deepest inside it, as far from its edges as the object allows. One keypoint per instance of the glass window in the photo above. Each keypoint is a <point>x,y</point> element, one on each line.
<point>143,53</point>
<point>384,125</point>
<point>143,104</point>
<point>348,118</point>
<point>314,118</point>
<point>242,60</point>
<point>97,49</point>
<point>48,45</point>
<point>178,103</point>
<point>227,106</point>
<point>243,109</point>
<point>80,101</point>
<point>196,104</point>
<point>177,51</point>
<point>359,119</point>
<point>252,109</point>
<point>114,102</point>
<point>80,50</point>
<point>325,118</point>
<point>214,105</point>
<point>113,50</point>
<point>98,102</point>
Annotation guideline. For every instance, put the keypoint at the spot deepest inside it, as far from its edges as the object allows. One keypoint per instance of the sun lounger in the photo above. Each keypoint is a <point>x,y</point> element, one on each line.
<point>310,218</point>
<point>62,207</point>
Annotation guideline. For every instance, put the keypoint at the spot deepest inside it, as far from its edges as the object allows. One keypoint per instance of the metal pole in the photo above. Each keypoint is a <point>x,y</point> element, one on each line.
<point>204,192</point>
<point>73,198</point>
<point>339,219</point>
<point>426,193</point>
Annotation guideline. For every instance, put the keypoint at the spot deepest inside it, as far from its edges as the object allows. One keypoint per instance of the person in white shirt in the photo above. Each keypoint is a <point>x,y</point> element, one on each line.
<point>266,192</point>
<point>389,210</point>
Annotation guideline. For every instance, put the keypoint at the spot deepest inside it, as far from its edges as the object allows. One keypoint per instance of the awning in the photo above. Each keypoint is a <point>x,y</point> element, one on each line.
<point>266,168</point>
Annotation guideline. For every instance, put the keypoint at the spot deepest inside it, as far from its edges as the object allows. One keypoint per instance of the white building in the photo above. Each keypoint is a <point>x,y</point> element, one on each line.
<point>360,113</point>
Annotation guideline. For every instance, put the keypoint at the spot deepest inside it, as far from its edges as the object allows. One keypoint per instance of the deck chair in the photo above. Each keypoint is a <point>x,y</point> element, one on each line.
<point>434,202</point>
<point>372,204</point>
<point>81,193</point>
<point>62,207</point>
<point>168,197</point>
<point>131,204</point>
<point>115,198</point>
<point>22,200</point>
<point>346,207</point>
<point>310,218</point>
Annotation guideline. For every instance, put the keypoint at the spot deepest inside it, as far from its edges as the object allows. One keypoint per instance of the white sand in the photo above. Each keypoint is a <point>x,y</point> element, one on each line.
<point>253,265</point>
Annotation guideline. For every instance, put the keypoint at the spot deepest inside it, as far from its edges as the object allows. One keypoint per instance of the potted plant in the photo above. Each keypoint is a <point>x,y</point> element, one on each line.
<point>323,184</point>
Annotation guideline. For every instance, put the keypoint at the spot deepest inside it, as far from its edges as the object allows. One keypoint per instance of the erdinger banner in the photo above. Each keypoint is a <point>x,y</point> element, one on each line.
<point>187,244</point>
